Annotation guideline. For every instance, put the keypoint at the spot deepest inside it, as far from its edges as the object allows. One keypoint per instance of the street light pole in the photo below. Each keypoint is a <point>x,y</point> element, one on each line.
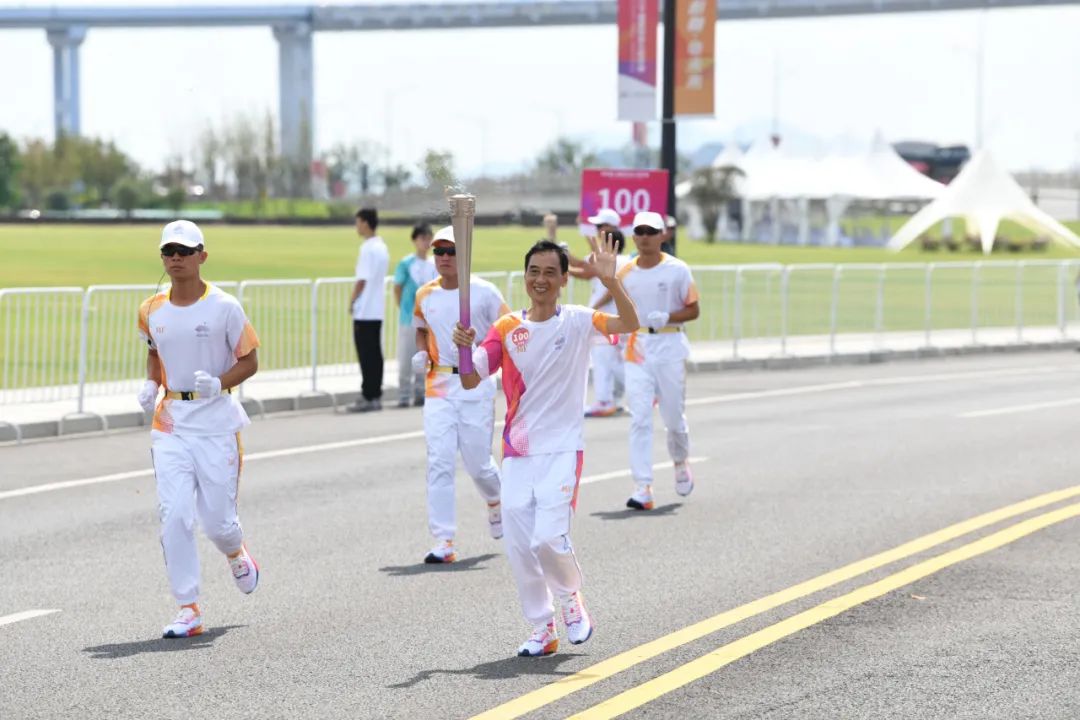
<point>667,125</point>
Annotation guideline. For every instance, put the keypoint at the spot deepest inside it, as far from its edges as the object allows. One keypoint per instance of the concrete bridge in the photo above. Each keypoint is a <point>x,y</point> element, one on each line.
<point>293,26</point>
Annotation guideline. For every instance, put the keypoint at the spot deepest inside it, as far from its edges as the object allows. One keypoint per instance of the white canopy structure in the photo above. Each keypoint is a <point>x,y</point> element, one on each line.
<point>983,194</point>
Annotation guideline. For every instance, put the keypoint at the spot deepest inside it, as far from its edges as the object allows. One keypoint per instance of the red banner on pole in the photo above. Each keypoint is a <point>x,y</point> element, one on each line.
<point>638,21</point>
<point>695,57</point>
<point>625,191</point>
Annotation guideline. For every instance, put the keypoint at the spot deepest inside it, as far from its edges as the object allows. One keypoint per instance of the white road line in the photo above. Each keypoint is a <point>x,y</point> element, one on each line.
<point>25,615</point>
<point>734,397</point>
<point>1030,407</point>
<point>626,473</point>
<point>876,382</point>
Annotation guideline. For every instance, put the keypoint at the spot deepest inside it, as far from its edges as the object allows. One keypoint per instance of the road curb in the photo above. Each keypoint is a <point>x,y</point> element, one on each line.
<point>78,425</point>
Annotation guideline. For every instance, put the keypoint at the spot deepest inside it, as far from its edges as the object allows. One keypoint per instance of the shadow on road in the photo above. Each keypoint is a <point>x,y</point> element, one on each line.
<point>658,511</point>
<point>503,669</point>
<point>117,651</point>
<point>420,568</point>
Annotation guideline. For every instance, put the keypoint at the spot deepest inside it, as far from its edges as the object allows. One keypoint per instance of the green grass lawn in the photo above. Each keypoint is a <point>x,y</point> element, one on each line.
<point>39,341</point>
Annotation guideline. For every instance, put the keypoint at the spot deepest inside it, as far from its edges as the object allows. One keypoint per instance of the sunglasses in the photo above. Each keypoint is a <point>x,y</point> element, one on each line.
<point>181,250</point>
<point>440,251</point>
<point>646,230</point>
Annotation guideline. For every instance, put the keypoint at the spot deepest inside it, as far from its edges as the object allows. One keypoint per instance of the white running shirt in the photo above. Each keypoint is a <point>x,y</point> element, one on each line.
<point>669,287</point>
<point>437,310</point>
<point>544,366</point>
<point>209,335</point>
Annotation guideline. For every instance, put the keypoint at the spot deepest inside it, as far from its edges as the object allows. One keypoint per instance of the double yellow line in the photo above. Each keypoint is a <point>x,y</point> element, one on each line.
<point>730,652</point>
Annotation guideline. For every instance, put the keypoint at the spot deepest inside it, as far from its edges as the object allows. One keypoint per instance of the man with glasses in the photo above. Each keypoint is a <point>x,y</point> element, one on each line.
<point>455,419</point>
<point>414,271</point>
<point>201,347</point>
<point>663,290</point>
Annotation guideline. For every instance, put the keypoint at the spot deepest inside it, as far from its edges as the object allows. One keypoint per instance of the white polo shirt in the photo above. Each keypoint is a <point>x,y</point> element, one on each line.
<point>208,335</point>
<point>669,287</point>
<point>371,267</point>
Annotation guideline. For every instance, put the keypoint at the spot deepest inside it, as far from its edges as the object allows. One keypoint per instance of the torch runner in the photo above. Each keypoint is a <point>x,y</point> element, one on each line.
<point>462,212</point>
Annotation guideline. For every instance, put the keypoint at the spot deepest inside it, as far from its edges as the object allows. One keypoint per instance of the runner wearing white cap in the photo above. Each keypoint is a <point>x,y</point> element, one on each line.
<point>201,346</point>
<point>663,290</point>
<point>543,353</point>
<point>455,419</point>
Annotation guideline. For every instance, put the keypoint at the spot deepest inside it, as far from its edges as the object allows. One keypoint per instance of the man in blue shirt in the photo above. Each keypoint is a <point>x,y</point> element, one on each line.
<point>413,271</point>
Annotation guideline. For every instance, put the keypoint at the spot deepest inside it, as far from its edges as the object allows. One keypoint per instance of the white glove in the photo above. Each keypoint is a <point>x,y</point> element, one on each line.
<point>207,385</point>
<point>148,395</point>
<point>420,362</point>
<point>657,319</point>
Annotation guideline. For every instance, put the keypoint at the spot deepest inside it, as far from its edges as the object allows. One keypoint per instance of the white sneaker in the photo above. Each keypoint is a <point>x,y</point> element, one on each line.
<point>684,479</point>
<point>578,622</point>
<point>188,622</point>
<point>441,553</point>
<point>245,571</point>
<point>495,519</point>
<point>642,498</point>
<point>543,641</point>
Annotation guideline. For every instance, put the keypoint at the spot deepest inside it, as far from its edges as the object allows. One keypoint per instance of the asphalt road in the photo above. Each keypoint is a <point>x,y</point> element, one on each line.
<point>802,473</point>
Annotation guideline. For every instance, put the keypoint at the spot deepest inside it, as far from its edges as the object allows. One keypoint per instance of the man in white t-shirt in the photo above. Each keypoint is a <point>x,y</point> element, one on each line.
<point>368,309</point>
<point>455,419</point>
<point>663,292</point>
<point>201,346</point>
<point>543,353</point>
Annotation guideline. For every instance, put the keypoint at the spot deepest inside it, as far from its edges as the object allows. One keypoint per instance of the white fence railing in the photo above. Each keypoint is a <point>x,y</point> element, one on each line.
<point>71,344</point>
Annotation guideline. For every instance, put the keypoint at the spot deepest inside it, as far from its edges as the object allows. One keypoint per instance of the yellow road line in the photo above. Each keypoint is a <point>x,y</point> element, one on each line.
<point>742,647</point>
<point>606,668</point>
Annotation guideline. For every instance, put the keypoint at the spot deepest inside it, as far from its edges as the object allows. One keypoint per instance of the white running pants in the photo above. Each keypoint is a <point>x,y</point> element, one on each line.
<point>452,426</point>
<point>667,383</point>
<point>607,365</point>
<point>539,495</point>
<point>197,477</point>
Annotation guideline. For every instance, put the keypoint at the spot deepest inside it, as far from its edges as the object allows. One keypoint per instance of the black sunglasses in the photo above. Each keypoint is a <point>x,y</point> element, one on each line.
<point>440,251</point>
<point>645,230</point>
<point>181,250</point>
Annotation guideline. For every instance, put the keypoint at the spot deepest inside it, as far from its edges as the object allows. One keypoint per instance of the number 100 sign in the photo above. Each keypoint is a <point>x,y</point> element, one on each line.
<point>625,191</point>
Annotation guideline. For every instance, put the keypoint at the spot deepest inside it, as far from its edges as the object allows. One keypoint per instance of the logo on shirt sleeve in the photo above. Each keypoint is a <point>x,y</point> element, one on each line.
<point>520,338</point>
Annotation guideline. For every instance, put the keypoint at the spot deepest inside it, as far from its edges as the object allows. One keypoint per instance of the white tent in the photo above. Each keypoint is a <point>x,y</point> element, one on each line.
<point>983,194</point>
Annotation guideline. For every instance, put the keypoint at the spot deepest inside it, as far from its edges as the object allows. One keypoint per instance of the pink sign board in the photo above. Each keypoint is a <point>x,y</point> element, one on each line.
<point>625,191</point>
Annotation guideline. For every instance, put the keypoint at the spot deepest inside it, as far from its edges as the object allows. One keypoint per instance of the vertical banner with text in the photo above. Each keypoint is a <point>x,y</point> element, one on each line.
<point>695,57</point>
<point>638,22</point>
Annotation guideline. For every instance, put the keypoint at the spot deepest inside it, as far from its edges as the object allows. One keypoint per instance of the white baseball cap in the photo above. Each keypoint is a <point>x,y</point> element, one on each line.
<point>649,219</point>
<point>182,232</point>
<point>671,221</point>
<point>605,216</point>
<point>447,234</point>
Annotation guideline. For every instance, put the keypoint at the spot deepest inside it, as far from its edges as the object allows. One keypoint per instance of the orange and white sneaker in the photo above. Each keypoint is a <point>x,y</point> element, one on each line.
<point>642,498</point>
<point>188,623</point>
<point>543,641</point>
<point>684,479</point>
<point>602,410</point>
<point>441,553</point>
<point>495,519</point>
<point>576,618</point>
<point>245,571</point>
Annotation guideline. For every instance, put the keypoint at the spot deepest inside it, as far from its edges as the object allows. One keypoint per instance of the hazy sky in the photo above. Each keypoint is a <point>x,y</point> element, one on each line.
<point>839,80</point>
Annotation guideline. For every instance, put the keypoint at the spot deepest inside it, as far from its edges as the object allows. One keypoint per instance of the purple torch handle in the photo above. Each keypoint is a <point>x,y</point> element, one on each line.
<point>462,211</point>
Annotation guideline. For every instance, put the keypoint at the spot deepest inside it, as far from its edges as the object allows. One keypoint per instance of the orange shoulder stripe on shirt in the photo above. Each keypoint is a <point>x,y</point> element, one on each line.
<point>622,272</point>
<point>425,290</point>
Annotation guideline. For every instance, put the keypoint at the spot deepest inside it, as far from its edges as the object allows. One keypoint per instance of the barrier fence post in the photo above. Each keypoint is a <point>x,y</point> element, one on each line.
<point>785,281</point>
<point>1020,301</point>
<point>834,307</point>
<point>736,326</point>
<point>879,307</point>
<point>928,302</point>
<point>975,270</point>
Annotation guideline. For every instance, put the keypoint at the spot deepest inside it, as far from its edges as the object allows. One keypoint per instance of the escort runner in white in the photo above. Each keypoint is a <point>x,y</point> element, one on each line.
<point>201,346</point>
